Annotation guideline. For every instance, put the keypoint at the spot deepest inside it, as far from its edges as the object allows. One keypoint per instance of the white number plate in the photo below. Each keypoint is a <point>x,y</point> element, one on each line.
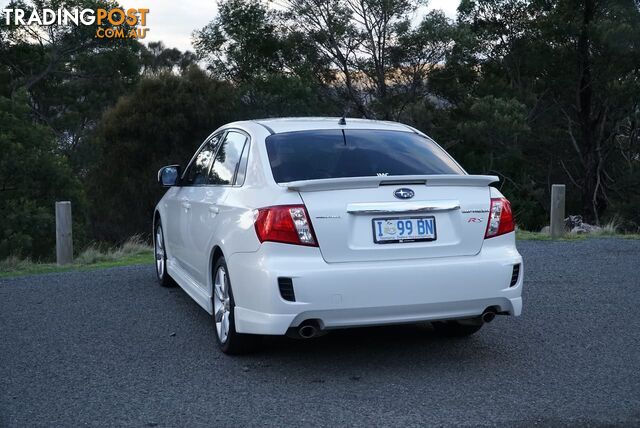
<point>403,229</point>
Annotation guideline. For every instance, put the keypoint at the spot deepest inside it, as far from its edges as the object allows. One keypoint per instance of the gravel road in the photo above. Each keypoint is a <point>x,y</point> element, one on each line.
<point>111,348</point>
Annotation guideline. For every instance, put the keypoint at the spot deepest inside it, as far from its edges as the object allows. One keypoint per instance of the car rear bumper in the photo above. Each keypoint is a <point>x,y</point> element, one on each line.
<point>371,293</point>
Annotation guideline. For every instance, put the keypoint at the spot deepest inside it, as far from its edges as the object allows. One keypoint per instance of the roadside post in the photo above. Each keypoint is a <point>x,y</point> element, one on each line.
<point>64,238</point>
<point>556,226</point>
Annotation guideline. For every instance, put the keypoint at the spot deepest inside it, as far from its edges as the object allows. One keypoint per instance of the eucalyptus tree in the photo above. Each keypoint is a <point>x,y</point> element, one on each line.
<point>71,75</point>
<point>381,56</point>
<point>575,65</point>
<point>33,175</point>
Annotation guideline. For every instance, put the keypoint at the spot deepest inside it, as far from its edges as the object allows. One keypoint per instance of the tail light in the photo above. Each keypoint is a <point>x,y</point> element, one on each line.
<point>288,224</point>
<point>500,218</point>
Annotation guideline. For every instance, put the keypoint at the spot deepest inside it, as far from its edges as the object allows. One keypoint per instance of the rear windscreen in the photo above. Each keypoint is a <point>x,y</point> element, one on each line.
<point>309,155</point>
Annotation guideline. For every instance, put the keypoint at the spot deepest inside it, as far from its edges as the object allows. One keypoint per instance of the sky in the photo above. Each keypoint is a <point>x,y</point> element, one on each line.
<point>173,21</point>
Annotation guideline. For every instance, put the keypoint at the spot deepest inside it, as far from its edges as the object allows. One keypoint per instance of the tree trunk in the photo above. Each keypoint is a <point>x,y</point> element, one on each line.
<point>592,195</point>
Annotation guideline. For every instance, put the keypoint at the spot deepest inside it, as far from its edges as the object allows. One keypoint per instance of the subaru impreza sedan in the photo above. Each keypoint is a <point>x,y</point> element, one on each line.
<point>298,226</point>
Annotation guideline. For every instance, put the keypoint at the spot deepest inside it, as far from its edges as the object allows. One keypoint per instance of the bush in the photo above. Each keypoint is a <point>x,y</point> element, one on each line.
<point>162,122</point>
<point>33,176</point>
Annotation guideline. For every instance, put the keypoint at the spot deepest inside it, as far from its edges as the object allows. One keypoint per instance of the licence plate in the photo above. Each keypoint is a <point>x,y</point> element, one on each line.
<point>403,229</point>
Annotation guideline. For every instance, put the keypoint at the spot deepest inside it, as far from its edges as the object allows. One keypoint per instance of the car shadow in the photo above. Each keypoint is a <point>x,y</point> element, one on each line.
<point>385,346</point>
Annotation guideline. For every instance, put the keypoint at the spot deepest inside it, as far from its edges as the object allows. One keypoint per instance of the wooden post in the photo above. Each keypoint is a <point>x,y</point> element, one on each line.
<point>556,227</point>
<point>64,239</point>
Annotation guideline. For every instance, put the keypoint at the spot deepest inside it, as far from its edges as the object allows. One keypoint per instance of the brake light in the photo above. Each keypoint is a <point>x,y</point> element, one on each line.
<point>500,218</point>
<point>288,224</point>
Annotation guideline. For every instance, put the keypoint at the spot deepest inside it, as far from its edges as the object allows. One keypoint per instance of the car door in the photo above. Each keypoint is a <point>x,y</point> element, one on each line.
<point>171,223</point>
<point>192,187</point>
<point>207,203</point>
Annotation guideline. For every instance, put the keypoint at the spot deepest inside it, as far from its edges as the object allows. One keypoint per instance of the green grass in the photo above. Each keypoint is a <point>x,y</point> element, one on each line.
<point>133,252</point>
<point>526,235</point>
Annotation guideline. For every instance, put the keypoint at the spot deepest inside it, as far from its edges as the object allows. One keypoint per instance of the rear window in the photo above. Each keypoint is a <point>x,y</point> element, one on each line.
<point>309,155</point>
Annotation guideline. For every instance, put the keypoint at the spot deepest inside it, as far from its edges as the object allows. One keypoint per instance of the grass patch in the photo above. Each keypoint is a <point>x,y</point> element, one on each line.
<point>526,235</point>
<point>629,236</point>
<point>134,251</point>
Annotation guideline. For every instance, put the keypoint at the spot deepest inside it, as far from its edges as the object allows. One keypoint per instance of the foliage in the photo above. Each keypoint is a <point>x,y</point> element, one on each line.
<point>71,76</point>
<point>156,58</point>
<point>574,65</point>
<point>533,91</point>
<point>162,122</point>
<point>132,247</point>
<point>134,251</point>
<point>274,70</point>
<point>33,176</point>
<point>242,42</point>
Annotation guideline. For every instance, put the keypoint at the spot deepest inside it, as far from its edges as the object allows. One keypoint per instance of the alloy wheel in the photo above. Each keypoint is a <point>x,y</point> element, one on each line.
<point>160,258</point>
<point>221,304</point>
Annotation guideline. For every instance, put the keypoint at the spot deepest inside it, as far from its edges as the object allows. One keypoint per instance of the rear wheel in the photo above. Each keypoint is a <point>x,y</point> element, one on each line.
<point>230,341</point>
<point>161,258</point>
<point>456,328</point>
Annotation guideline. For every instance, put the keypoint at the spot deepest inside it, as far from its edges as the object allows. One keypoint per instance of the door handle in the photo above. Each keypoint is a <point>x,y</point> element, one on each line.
<point>186,205</point>
<point>213,209</point>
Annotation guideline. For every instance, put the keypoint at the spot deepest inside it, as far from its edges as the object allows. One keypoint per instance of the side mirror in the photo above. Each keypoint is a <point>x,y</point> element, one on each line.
<point>169,175</point>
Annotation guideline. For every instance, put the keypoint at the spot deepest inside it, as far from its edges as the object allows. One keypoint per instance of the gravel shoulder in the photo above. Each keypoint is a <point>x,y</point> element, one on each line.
<point>110,347</point>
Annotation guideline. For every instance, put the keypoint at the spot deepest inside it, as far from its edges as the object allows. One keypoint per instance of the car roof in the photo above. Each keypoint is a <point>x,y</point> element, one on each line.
<point>292,124</point>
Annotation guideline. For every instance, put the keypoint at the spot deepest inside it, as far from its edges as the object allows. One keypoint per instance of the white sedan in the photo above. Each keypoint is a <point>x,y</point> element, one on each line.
<point>302,225</point>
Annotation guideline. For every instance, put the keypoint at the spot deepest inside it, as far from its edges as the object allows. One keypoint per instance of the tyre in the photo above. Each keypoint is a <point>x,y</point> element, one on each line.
<point>456,328</point>
<point>230,341</point>
<point>161,257</point>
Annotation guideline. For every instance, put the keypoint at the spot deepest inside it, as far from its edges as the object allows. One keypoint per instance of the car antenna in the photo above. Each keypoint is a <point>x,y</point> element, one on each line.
<point>343,119</point>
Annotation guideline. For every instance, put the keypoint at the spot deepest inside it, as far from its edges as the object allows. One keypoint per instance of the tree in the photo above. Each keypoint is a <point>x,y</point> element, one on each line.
<point>157,58</point>
<point>366,52</point>
<point>575,64</point>
<point>598,88</point>
<point>162,122</point>
<point>71,76</point>
<point>242,43</point>
<point>275,71</point>
<point>418,54</point>
<point>33,176</point>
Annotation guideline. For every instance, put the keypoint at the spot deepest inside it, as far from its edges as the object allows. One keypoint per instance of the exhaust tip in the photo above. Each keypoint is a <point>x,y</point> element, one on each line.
<point>488,316</point>
<point>307,331</point>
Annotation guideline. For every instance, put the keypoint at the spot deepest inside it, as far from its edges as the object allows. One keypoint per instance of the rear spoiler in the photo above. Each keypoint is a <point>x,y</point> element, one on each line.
<point>396,180</point>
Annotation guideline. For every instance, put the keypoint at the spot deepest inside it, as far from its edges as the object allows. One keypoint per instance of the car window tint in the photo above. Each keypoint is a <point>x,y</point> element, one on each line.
<point>308,155</point>
<point>199,167</point>
<point>226,162</point>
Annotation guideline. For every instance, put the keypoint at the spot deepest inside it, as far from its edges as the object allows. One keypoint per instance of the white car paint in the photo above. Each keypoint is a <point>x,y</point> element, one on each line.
<point>347,280</point>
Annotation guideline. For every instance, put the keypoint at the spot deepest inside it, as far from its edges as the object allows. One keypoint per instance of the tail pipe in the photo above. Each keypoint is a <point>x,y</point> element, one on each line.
<point>488,315</point>
<point>306,330</point>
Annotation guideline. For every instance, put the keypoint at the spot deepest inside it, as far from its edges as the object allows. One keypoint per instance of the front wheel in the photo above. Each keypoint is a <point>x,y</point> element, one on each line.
<point>161,258</point>
<point>230,341</point>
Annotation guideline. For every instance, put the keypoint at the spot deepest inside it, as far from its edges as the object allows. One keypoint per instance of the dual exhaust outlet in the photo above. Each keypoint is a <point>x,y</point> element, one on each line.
<point>313,328</point>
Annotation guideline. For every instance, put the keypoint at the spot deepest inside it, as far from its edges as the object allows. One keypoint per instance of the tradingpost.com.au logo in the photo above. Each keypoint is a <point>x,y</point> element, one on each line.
<point>134,19</point>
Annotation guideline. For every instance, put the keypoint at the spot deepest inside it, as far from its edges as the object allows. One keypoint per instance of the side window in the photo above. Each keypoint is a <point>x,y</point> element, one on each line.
<point>226,163</point>
<point>242,166</point>
<point>197,171</point>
